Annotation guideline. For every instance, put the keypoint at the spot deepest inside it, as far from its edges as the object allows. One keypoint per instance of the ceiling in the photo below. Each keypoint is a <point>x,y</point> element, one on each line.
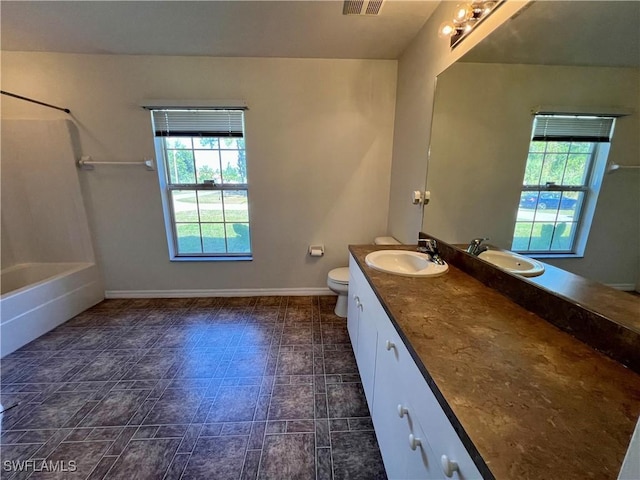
<point>588,33</point>
<point>312,29</point>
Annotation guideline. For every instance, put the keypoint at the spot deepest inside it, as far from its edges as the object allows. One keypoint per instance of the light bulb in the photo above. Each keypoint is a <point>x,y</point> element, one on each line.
<point>463,12</point>
<point>468,26</point>
<point>487,7</point>
<point>446,30</point>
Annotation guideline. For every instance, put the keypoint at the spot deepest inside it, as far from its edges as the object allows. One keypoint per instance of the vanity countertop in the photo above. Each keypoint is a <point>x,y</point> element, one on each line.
<point>534,401</point>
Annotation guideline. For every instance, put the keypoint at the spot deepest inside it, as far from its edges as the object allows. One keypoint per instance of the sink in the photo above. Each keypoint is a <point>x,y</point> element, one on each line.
<point>513,263</point>
<point>405,263</point>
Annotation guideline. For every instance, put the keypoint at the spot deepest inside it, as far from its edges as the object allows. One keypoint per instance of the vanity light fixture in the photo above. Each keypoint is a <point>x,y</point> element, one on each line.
<point>465,17</point>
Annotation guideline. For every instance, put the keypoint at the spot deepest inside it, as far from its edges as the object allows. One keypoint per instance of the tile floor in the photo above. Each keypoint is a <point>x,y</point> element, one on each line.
<point>210,388</point>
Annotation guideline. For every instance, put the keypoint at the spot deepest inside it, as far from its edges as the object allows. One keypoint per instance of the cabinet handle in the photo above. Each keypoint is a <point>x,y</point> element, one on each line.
<point>389,345</point>
<point>449,466</point>
<point>356,298</point>
<point>415,442</point>
<point>402,411</point>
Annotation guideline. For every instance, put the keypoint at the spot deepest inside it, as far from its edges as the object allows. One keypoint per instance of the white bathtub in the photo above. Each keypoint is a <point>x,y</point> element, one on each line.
<point>37,297</point>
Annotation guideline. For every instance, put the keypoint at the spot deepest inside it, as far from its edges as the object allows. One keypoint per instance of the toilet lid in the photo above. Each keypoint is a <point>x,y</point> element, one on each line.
<point>340,275</point>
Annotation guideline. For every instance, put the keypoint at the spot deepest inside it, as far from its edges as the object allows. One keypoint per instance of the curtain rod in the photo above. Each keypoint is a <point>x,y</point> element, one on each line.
<point>66,110</point>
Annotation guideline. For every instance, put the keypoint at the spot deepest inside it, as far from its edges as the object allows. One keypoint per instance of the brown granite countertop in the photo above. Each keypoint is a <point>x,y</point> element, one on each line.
<point>533,401</point>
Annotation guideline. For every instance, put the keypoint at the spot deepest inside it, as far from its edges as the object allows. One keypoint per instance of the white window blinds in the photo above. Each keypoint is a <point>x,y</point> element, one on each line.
<point>194,122</point>
<point>561,128</point>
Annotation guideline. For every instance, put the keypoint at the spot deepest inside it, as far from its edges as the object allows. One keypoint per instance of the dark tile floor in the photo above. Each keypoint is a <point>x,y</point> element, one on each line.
<point>210,388</point>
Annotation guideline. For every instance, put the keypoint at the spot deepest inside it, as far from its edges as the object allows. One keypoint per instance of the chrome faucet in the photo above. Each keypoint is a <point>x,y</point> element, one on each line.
<point>476,248</point>
<point>429,246</point>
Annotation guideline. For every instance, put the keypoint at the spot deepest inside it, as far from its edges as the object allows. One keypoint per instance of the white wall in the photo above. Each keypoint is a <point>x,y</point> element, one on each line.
<point>422,61</point>
<point>479,145</point>
<point>319,140</point>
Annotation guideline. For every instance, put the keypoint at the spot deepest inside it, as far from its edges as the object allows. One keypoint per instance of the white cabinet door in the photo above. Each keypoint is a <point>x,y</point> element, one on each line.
<point>422,462</point>
<point>370,315</point>
<point>390,429</point>
<point>368,311</point>
<point>353,304</point>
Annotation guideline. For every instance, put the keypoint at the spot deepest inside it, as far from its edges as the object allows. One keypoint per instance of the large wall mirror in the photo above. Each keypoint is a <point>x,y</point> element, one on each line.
<point>567,56</point>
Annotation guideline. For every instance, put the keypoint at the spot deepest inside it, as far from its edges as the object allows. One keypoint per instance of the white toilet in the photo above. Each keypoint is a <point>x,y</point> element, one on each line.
<point>338,279</point>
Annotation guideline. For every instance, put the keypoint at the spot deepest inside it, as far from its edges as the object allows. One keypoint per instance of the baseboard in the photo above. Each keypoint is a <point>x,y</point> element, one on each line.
<point>232,292</point>
<point>626,287</point>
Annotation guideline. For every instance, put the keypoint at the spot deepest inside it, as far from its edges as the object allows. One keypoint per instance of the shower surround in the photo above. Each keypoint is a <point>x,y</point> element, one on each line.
<point>49,273</point>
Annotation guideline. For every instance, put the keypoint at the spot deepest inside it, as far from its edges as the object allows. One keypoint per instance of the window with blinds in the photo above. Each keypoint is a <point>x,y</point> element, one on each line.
<point>559,182</point>
<point>203,178</point>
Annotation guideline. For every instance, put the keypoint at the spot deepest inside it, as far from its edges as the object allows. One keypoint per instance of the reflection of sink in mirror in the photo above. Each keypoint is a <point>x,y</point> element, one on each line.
<point>513,263</point>
<point>405,263</point>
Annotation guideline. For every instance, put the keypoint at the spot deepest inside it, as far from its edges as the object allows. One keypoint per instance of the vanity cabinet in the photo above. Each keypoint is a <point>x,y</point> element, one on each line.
<point>416,439</point>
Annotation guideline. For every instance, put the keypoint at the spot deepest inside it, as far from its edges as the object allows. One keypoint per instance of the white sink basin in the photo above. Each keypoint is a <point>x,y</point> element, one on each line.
<point>405,263</point>
<point>514,263</point>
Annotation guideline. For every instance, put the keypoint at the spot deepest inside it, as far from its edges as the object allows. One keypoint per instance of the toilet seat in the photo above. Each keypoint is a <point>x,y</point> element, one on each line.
<point>339,275</point>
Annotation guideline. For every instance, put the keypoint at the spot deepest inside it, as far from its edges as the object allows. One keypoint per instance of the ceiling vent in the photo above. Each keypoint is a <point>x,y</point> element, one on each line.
<point>362,7</point>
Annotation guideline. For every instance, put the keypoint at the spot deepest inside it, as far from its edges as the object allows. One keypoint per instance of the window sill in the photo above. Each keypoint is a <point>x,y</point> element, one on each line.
<point>244,258</point>
<point>551,255</point>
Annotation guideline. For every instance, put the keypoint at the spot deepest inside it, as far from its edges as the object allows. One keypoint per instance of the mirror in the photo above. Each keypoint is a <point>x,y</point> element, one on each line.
<point>580,55</point>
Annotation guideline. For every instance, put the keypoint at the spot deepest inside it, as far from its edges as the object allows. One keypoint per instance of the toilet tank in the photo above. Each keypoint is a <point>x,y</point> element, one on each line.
<point>386,241</point>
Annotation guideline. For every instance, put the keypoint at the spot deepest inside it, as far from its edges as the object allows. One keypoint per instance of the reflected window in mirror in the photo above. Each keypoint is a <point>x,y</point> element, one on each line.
<point>565,164</point>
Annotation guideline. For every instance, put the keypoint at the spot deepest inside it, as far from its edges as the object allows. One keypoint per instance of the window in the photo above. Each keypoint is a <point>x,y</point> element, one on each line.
<point>565,164</point>
<point>203,178</point>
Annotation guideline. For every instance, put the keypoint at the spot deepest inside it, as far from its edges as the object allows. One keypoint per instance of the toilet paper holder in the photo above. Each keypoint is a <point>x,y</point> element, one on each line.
<point>316,250</point>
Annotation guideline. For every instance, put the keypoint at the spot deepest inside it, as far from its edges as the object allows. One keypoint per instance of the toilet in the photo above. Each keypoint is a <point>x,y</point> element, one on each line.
<point>338,279</point>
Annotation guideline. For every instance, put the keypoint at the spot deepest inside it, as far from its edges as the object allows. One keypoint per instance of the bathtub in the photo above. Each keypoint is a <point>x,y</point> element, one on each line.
<point>37,297</point>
